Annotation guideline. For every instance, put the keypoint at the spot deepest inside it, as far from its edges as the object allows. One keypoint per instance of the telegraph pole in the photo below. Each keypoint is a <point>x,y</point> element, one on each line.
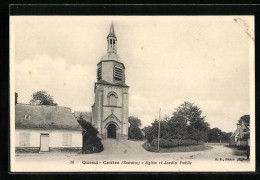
<point>159,130</point>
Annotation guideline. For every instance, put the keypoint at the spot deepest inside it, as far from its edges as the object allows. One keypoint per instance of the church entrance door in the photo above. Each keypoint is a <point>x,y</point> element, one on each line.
<point>111,131</point>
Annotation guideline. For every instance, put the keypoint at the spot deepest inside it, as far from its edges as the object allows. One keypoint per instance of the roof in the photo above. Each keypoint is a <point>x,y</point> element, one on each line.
<point>44,117</point>
<point>113,84</point>
<point>87,116</point>
<point>111,56</point>
<point>242,132</point>
<point>112,31</point>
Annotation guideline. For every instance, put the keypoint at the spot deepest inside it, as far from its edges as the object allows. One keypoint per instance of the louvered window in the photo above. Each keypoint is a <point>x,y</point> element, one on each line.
<point>67,139</point>
<point>99,73</point>
<point>118,73</point>
<point>24,138</point>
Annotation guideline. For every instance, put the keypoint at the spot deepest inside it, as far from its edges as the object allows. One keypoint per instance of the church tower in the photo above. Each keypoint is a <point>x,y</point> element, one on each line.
<point>110,110</point>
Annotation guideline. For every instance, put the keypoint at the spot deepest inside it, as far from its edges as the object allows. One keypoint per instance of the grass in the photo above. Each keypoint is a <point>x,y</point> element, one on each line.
<point>191,148</point>
<point>238,151</point>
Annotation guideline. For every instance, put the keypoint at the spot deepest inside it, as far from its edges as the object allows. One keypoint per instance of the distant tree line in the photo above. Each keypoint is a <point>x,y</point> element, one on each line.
<point>216,135</point>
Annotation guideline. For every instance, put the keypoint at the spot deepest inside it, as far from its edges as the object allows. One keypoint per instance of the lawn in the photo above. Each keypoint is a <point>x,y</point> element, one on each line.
<point>191,148</point>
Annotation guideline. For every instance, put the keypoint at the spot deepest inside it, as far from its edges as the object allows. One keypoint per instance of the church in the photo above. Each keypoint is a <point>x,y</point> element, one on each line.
<point>110,109</point>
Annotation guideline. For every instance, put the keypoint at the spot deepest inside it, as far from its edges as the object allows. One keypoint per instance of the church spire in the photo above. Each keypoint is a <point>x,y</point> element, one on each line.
<point>111,40</point>
<point>112,31</point>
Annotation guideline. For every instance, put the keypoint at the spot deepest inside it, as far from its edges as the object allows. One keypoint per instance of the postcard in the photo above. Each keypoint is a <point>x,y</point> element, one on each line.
<point>132,94</point>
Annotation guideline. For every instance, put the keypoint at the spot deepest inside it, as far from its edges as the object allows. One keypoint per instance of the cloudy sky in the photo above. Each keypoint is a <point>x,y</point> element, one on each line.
<point>168,60</point>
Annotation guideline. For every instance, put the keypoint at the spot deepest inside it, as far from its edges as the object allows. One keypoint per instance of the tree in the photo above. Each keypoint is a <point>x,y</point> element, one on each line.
<point>134,130</point>
<point>42,98</point>
<point>246,120</point>
<point>215,135</point>
<point>187,123</point>
<point>226,136</point>
<point>91,143</point>
<point>148,133</point>
<point>190,121</point>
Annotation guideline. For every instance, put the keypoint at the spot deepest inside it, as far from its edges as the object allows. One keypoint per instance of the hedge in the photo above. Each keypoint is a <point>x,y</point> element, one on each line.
<point>168,143</point>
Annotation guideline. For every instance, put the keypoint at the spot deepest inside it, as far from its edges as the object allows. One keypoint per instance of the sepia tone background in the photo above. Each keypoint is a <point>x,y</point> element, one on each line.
<point>168,60</point>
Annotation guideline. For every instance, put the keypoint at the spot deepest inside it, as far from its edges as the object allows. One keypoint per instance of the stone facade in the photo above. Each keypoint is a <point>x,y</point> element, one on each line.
<point>110,109</point>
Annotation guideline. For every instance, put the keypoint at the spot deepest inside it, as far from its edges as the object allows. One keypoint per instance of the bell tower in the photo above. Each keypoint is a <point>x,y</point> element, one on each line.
<point>111,40</point>
<point>110,110</point>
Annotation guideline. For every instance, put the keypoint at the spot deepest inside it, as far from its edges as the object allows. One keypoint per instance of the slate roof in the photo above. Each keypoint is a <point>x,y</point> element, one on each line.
<point>45,117</point>
<point>87,116</point>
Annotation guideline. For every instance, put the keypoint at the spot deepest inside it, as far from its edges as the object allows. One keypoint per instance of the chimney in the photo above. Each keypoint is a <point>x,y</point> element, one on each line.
<point>16,98</point>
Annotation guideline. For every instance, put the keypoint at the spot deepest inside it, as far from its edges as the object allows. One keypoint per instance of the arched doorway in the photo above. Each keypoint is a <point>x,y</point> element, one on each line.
<point>111,131</point>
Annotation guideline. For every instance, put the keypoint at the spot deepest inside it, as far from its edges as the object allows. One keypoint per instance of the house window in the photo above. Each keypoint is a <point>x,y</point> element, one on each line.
<point>24,138</point>
<point>26,117</point>
<point>67,140</point>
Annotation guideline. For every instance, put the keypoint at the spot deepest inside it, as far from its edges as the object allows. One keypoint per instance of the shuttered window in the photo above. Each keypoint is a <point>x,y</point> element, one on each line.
<point>99,73</point>
<point>118,73</point>
<point>24,138</point>
<point>67,140</point>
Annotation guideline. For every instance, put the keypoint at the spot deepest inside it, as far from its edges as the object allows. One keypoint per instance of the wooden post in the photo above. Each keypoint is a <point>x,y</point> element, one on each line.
<point>159,130</point>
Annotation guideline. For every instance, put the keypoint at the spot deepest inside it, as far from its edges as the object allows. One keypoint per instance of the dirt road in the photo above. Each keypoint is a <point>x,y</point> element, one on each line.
<point>118,149</point>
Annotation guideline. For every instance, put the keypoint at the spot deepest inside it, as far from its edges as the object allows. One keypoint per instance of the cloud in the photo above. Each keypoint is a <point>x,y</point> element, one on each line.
<point>168,60</point>
<point>70,85</point>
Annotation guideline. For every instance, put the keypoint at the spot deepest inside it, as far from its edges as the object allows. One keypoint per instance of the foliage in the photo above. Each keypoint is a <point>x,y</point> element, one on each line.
<point>148,133</point>
<point>147,146</point>
<point>246,120</point>
<point>164,143</point>
<point>186,122</point>
<point>91,143</point>
<point>216,135</point>
<point>42,98</point>
<point>134,131</point>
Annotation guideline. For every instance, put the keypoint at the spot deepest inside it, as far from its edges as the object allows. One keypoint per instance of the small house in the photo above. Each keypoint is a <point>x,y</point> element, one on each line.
<point>241,136</point>
<point>41,128</point>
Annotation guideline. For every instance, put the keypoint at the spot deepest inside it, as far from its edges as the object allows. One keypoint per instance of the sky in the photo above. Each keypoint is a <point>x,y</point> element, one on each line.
<point>168,60</point>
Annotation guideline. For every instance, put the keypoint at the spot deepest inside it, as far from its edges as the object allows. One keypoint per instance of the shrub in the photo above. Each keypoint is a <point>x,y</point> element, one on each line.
<point>91,143</point>
<point>164,143</point>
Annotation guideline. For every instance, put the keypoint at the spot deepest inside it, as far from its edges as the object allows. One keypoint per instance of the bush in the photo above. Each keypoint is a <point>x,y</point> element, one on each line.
<point>135,133</point>
<point>91,143</point>
<point>164,143</point>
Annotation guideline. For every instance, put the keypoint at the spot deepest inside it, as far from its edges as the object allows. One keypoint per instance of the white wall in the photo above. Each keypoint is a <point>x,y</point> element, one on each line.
<point>55,137</point>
